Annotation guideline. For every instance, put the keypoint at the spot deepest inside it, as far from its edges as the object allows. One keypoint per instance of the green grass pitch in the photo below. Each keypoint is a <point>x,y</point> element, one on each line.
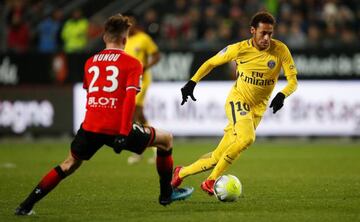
<point>283,180</point>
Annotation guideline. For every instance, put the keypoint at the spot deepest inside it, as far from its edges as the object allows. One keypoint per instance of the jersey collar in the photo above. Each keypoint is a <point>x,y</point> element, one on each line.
<point>114,49</point>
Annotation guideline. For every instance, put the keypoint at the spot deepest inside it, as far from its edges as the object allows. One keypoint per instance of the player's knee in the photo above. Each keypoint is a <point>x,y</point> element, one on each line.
<point>168,140</point>
<point>214,160</point>
<point>215,157</point>
<point>245,141</point>
<point>163,140</point>
<point>249,140</point>
<point>242,142</point>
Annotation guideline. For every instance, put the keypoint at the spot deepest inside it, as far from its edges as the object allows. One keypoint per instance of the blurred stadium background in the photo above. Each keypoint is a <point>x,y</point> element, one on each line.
<point>41,95</point>
<point>39,71</point>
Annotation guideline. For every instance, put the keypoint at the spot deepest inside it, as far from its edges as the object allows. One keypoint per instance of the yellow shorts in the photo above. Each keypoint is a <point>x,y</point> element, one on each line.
<point>238,111</point>
<point>145,83</point>
<point>241,125</point>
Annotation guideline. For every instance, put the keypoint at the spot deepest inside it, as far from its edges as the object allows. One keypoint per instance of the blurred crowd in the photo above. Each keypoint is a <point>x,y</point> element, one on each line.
<point>212,23</point>
<point>36,25</point>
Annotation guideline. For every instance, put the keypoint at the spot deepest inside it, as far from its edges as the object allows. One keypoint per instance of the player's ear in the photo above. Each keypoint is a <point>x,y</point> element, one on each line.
<point>252,30</point>
<point>124,40</point>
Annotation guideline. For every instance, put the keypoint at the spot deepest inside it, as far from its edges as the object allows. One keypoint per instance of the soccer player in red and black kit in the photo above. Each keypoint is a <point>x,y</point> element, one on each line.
<point>112,80</point>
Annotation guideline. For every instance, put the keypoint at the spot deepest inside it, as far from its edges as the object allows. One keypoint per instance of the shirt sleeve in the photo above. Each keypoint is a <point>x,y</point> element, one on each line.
<point>151,46</point>
<point>288,63</point>
<point>128,112</point>
<point>133,80</point>
<point>85,77</point>
<point>291,85</point>
<point>290,72</point>
<point>132,83</point>
<point>229,53</point>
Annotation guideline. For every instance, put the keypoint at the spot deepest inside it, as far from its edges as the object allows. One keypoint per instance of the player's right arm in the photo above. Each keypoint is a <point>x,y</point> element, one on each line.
<point>227,54</point>
<point>85,78</point>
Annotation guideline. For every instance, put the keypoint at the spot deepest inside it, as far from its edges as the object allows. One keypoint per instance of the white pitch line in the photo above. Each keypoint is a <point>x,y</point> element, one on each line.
<point>7,165</point>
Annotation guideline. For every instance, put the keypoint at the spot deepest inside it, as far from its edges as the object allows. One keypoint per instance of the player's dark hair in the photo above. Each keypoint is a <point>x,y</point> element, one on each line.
<point>130,14</point>
<point>132,17</point>
<point>262,17</point>
<point>115,26</point>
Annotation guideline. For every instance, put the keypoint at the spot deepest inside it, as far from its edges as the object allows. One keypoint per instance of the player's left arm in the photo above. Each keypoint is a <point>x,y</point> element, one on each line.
<point>153,51</point>
<point>290,71</point>
<point>128,109</point>
<point>132,87</point>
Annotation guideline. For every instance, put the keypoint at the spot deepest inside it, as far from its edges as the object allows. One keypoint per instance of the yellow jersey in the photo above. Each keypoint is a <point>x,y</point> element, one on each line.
<point>141,46</point>
<point>257,71</point>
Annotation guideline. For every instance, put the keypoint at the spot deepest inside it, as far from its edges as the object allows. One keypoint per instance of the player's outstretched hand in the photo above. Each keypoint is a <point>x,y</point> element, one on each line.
<point>277,102</point>
<point>120,143</point>
<point>188,90</point>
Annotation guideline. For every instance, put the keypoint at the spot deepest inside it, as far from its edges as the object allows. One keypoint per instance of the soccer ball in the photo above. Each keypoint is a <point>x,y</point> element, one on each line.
<point>227,188</point>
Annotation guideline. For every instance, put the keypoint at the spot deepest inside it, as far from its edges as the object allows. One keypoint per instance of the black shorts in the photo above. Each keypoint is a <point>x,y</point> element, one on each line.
<point>86,143</point>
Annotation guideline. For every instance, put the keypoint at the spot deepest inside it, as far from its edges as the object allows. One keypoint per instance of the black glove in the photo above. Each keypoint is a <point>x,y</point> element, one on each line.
<point>277,102</point>
<point>120,143</point>
<point>188,90</point>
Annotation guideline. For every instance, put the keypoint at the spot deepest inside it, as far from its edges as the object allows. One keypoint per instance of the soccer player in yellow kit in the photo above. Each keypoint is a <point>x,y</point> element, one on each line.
<point>141,46</point>
<point>259,61</point>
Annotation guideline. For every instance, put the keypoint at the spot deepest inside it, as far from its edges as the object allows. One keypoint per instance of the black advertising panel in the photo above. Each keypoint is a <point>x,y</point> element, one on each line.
<point>44,69</point>
<point>18,69</point>
<point>60,69</point>
<point>311,64</point>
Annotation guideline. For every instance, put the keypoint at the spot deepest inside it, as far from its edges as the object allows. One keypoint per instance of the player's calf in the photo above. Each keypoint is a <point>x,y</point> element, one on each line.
<point>47,184</point>
<point>164,166</point>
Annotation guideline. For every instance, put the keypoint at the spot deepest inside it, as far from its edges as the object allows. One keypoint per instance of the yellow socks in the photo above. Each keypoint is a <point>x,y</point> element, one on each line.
<point>205,163</point>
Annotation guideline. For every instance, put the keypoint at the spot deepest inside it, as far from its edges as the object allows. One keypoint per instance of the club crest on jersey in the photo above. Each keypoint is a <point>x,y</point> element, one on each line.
<point>271,64</point>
